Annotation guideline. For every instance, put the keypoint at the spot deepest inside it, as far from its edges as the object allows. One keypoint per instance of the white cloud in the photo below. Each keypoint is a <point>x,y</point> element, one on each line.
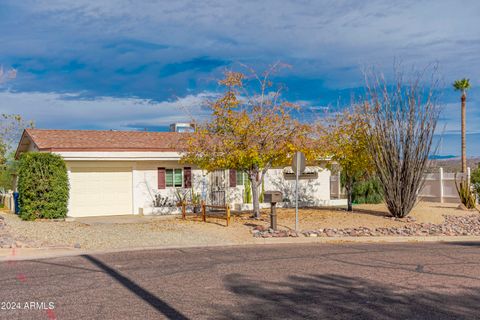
<point>316,36</point>
<point>69,111</point>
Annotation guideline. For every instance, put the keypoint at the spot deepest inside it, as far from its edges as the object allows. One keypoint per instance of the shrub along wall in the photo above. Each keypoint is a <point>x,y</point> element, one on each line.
<point>367,191</point>
<point>43,186</point>
<point>475,178</point>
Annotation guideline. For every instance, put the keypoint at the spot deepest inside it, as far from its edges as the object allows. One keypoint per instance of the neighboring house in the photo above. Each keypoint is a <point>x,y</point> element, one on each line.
<point>121,172</point>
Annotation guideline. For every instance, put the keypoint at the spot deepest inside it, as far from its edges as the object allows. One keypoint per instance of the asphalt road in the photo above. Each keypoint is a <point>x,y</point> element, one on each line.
<point>308,281</point>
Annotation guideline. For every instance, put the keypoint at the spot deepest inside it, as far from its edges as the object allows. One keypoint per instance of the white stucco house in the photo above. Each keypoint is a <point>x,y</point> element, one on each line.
<point>123,172</point>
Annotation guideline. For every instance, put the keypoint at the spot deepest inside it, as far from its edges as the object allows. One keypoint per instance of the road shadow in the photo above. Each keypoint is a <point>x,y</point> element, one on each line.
<point>340,297</point>
<point>465,243</point>
<point>158,304</point>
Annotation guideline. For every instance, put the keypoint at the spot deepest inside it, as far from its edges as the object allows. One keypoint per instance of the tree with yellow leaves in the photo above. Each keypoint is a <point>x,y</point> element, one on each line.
<point>343,139</point>
<point>247,132</point>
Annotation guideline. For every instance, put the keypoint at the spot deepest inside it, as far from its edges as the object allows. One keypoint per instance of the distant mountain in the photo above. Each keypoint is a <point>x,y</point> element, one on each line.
<point>438,157</point>
<point>453,164</point>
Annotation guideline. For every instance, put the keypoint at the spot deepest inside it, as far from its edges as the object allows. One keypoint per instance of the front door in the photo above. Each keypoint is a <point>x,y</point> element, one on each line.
<point>217,180</point>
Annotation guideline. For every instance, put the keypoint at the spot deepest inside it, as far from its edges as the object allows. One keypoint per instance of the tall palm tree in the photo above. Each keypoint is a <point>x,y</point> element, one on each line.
<point>463,85</point>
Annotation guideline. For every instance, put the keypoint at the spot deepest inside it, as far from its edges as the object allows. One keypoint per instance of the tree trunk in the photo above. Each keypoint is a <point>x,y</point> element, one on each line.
<point>349,190</point>
<point>255,199</point>
<point>464,125</point>
<point>349,204</point>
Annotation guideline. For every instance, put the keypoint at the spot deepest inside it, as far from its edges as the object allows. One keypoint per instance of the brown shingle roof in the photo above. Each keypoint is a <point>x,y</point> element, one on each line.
<point>96,140</point>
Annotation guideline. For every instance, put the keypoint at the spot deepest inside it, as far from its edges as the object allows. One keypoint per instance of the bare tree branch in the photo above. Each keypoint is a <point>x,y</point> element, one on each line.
<point>401,123</point>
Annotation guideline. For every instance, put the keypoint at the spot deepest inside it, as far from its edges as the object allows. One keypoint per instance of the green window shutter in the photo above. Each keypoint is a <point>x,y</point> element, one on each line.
<point>169,177</point>
<point>178,177</point>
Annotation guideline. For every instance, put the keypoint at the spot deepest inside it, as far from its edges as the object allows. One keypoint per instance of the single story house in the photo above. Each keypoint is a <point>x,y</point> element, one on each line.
<point>134,172</point>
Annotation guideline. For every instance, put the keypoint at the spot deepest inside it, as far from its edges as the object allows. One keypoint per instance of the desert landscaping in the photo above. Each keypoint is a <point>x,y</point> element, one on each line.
<point>367,220</point>
<point>427,218</point>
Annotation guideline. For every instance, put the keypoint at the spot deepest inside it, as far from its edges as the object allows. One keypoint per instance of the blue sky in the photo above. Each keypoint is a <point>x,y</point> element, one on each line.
<point>143,64</point>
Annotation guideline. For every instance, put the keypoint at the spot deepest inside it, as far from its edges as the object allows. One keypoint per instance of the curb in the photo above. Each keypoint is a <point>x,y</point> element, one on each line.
<point>366,239</point>
<point>44,253</point>
<point>18,254</point>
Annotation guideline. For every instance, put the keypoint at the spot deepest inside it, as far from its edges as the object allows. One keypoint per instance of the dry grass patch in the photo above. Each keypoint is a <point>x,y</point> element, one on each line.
<point>366,215</point>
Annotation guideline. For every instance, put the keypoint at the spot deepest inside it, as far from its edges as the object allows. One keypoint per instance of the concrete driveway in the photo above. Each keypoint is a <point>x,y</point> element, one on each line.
<point>121,219</point>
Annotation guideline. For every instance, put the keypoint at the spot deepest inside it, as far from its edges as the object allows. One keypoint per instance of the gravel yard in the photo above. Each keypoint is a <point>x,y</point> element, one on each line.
<point>426,219</point>
<point>366,215</point>
<point>171,231</point>
<point>136,232</point>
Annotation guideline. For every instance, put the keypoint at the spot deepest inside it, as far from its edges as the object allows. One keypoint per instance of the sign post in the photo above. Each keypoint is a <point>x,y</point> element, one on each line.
<point>296,198</point>
<point>298,166</point>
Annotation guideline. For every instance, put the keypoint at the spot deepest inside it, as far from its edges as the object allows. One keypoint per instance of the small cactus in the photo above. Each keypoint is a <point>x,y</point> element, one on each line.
<point>465,192</point>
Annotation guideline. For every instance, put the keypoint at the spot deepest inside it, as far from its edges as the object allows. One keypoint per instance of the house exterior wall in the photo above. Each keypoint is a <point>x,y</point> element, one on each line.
<point>315,192</point>
<point>145,184</point>
<point>144,165</point>
<point>31,148</point>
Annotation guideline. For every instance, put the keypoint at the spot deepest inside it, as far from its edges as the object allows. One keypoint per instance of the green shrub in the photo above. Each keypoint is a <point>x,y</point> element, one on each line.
<point>367,191</point>
<point>247,198</point>
<point>475,179</point>
<point>466,193</point>
<point>262,192</point>
<point>6,173</point>
<point>43,186</point>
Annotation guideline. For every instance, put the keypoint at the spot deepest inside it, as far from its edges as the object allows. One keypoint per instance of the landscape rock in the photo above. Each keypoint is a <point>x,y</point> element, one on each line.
<point>260,228</point>
<point>452,226</point>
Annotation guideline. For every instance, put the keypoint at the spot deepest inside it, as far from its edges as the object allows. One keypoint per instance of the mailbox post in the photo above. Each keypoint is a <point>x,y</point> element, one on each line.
<point>273,197</point>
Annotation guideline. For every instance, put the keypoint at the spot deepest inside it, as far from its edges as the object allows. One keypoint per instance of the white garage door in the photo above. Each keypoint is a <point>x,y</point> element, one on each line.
<point>100,191</point>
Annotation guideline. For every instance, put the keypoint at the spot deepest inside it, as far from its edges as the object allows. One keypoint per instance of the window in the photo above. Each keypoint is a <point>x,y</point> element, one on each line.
<point>241,178</point>
<point>174,177</point>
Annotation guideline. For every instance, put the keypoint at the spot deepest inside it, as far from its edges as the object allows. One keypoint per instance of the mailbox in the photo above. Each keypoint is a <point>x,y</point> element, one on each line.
<point>272,197</point>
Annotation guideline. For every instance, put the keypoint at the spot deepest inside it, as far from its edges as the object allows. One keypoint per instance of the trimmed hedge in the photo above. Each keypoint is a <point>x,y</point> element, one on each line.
<point>43,186</point>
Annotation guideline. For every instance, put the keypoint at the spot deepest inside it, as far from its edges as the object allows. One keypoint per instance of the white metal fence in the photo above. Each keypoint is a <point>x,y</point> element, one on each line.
<point>438,187</point>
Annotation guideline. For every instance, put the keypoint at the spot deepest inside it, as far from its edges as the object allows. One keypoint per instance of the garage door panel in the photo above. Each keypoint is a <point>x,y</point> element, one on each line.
<point>101,191</point>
